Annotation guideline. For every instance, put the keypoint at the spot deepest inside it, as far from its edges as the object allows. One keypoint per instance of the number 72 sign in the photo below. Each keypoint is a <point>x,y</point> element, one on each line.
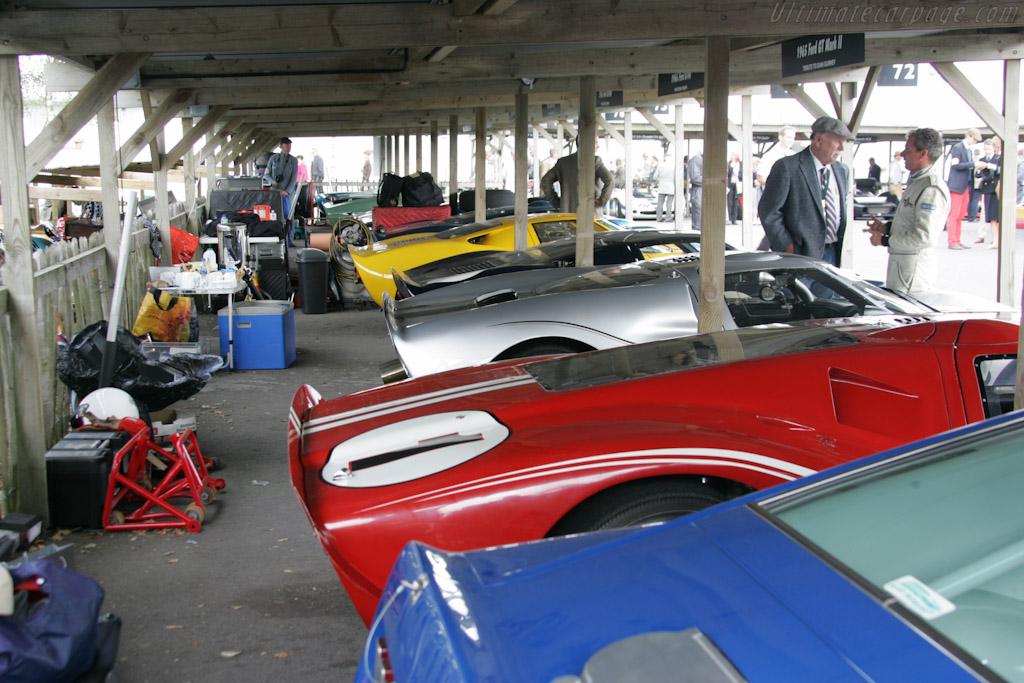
<point>898,74</point>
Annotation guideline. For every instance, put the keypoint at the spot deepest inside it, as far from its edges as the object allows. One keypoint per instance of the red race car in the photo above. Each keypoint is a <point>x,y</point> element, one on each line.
<point>524,449</point>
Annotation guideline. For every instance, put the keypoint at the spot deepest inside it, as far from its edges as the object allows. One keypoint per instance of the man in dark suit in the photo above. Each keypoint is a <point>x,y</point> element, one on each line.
<point>961,176</point>
<point>803,207</point>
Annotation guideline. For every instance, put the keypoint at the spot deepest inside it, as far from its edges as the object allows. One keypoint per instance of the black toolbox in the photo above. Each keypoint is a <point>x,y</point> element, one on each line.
<point>78,474</point>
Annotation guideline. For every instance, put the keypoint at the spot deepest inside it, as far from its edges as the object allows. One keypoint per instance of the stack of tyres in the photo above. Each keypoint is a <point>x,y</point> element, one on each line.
<point>77,476</point>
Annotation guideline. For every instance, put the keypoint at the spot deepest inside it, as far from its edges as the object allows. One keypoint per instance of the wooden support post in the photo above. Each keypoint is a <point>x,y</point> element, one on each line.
<point>521,179</point>
<point>189,171</point>
<point>848,102</point>
<point>1007,209</point>
<point>585,168</point>
<point>433,149</point>
<point>747,161</point>
<point>419,152</point>
<point>407,155</point>
<point>79,111</point>
<point>163,212</point>
<point>480,160</point>
<point>716,136</point>
<point>109,171</point>
<point>25,479</point>
<point>453,159</point>
<point>627,136</point>
<point>679,178</point>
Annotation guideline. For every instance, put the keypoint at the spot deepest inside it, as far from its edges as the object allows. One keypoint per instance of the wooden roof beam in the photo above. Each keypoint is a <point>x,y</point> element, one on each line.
<point>80,110</point>
<point>197,131</point>
<point>153,126</point>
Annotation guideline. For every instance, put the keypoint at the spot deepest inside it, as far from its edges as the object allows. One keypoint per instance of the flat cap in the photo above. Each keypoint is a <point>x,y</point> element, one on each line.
<point>827,124</point>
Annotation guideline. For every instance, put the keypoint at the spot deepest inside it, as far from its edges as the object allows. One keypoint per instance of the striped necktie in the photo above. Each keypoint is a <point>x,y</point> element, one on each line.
<point>828,198</point>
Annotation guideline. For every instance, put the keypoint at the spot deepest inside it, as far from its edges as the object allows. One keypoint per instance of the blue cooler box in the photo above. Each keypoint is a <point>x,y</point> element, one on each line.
<point>264,334</point>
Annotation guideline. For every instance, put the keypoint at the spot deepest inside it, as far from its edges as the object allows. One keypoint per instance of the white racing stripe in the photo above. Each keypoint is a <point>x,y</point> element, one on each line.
<point>781,469</point>
<point>410,402</point>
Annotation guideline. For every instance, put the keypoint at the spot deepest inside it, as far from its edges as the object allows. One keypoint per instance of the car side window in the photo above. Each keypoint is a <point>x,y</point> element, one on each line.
<point>550,231</point>
<point>997,375</point>
<point>612,254</point>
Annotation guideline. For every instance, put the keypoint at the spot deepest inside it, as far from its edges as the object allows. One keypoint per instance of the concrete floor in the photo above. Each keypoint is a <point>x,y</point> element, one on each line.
<point>252,597</point>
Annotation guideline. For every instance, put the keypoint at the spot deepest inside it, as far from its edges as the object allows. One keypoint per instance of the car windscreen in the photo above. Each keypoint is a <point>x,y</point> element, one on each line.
<point>671,355</point>
<point>791,294</point>
<point>940,532</point>
<point>621,276</point>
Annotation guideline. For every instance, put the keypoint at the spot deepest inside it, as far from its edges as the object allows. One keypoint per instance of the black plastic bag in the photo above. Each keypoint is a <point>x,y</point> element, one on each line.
<point>390,190</point>
<point>419,189</point>
<point>154,384</point>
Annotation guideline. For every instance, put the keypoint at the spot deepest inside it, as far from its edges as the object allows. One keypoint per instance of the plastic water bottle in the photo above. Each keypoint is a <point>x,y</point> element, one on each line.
<point>209,265</point>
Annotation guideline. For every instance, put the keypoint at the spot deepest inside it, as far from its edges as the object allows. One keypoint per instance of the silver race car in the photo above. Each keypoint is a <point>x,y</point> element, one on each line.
<point>568,310</point>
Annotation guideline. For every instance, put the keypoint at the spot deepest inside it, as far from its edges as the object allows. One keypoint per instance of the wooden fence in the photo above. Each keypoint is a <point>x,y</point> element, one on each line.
<point>73,286</point>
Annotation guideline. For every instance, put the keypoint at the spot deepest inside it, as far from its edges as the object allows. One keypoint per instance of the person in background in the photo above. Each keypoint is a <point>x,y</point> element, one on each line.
<point>989,173</point>
<point>565,172</point>
<point>317,172</point>
<point>282,174</point>
<point>914,230</point>
<point>803,208</point>
<point>619,174</point>
<point>367,167</point>
<point>735,188</point>
<point>974,199</point>
<point>783,148</point>
<point>874,171</point>
<point>896,174</point>
<point>666,190</point>
<point>1020,176</point>
<point>695,171</point>
<point>758,185</point>
<point>302,176</point>
<point>548,163</point>
<point>961,175</point>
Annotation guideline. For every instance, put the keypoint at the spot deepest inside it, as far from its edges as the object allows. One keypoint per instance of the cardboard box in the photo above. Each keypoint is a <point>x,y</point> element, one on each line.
<point>264,334</point>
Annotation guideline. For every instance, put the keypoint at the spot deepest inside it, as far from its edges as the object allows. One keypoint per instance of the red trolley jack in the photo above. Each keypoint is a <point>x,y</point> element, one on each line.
<point>183,473</point>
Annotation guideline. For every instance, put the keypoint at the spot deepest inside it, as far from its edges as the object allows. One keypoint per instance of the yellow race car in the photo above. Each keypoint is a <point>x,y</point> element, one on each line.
<point>375,260</point>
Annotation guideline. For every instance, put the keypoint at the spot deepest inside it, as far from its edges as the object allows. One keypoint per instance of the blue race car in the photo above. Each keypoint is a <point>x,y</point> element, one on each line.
<point>905,566</point>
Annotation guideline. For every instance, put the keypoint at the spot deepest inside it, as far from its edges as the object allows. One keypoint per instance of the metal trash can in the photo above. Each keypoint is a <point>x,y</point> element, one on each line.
<point>313,266</point>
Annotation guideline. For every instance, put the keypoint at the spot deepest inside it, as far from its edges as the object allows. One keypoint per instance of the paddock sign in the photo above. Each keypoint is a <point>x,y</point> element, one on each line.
<point>817,53</point>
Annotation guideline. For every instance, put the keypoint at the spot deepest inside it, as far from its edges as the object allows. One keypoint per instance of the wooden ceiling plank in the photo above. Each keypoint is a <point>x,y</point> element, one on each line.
<point>320,27</point>
<point>513,65</point>
<point>80,110</point>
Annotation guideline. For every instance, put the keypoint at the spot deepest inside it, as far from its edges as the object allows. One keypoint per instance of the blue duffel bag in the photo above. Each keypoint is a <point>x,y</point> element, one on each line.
<point>52,634</point>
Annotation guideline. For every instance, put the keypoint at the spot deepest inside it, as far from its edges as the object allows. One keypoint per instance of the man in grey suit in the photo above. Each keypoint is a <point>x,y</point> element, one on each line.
<point>803,207</point>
